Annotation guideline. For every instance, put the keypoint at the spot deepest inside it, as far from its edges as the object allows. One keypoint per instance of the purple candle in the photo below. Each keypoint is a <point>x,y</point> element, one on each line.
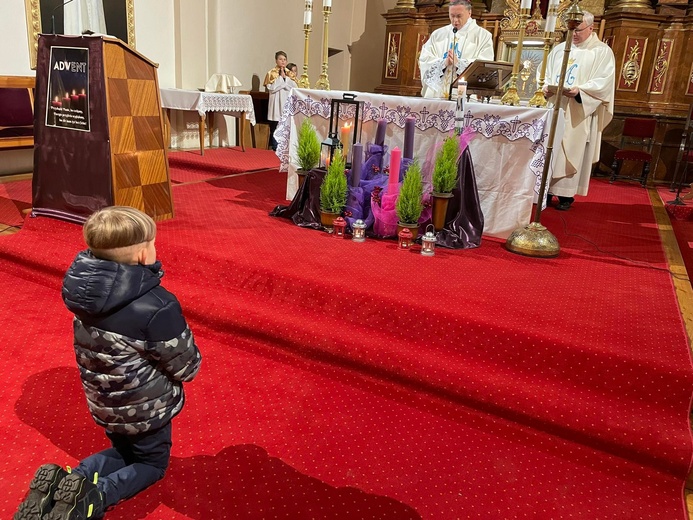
<point>395,161</point>
<point>356,163</point>
<point>380,132</point>
<point>409,128</point>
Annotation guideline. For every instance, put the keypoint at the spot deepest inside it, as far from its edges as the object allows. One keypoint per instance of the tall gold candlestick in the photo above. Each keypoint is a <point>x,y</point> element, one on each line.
<point>323,82</point>
<point>538,99</point>
<point>303,81</point>
<point>534,239</point>
<point>511,97</point>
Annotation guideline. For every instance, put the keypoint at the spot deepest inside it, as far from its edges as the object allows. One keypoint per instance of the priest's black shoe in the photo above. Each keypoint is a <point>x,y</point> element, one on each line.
<point>564,203</point>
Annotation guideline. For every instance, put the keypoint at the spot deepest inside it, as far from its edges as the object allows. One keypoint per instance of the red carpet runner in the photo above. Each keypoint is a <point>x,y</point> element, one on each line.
<point>348,380</point>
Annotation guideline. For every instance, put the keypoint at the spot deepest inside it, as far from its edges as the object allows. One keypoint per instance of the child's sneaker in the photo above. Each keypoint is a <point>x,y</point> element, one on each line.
<point>40,499</point>
<point>76,499</point>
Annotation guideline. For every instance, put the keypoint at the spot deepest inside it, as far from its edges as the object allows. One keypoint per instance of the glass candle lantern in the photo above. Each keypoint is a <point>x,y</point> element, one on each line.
<point>346,108</point>
<point>328,148</point>
<point>359,228</point>
<point>428,242</point>
<point>405,239</point>
<point>339,226</point>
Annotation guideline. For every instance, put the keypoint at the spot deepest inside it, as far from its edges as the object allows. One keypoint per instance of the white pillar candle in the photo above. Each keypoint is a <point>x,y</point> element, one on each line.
<point>550,23</point>
<point>306,17</point>
<point>326,3</point>
<point>526,4</point>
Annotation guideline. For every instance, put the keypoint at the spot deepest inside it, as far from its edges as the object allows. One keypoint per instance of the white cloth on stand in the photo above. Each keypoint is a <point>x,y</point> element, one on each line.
<point>84,15</point>
<point>591,68</point>
<point>471,42</point>
<point>223,83</point>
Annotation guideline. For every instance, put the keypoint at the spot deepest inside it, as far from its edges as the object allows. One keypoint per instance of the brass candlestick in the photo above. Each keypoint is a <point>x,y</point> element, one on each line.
<point>539,99</point>
<point>534,239</point>
<point>511,97</point>
<point>303,81</point>
<point>323,82</point>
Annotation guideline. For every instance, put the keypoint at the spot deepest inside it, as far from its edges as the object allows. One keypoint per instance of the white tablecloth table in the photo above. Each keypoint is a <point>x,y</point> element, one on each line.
<point>508,147</point>
<point>206,104</point>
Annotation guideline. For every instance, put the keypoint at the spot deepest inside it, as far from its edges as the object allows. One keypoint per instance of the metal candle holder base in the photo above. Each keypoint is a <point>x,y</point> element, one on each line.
<point>533,240</point>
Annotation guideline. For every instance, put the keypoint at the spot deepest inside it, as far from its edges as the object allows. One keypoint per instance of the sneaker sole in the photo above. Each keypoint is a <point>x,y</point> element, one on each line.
<point>66,498</point>
<point>41,489</point>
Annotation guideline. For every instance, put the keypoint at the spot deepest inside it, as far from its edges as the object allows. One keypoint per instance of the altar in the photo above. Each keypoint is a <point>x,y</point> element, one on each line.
<point>508,146</point>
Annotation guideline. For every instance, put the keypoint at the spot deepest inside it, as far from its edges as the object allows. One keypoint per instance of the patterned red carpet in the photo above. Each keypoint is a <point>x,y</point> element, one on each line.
<point>346,380</point>
<point>15,199</point>
<point>190,166</point>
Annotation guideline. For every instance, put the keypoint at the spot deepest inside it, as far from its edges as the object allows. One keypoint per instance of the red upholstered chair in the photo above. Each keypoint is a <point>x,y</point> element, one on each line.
<point>640,131</point>
<point>16,111</point>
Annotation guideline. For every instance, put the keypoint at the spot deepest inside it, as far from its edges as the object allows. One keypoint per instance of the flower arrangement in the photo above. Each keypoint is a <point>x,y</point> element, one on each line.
<point>409,204</point>
<point>333,190</point>
<point>308,150</point>
<point>445,167</point>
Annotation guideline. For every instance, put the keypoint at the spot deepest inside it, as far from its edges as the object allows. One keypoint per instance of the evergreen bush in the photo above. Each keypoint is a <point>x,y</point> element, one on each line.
<point>445,167</point>
<point>333,190</point>
<point>308,150</point>
<point>409,204</point>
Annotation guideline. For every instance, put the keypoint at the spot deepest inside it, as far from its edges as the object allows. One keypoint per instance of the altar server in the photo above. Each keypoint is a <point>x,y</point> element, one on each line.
<point>279,81</point>
<point>588,101</point>
<point>451,49</point>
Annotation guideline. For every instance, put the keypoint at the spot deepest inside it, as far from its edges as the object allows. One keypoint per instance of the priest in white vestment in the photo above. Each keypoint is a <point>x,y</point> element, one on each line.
<point>459,43</point>
<point>588,101</point>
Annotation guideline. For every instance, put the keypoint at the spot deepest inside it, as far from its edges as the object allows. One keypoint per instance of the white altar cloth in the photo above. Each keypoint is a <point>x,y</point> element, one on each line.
<point>203,102</point>
<point>508,147</point>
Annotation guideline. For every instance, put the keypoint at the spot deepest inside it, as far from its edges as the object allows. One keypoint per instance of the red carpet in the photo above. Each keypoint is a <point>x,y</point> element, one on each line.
<point>681,218</point>
<point>15,198</point>
<point>190,166</point>
<point>348,380</point>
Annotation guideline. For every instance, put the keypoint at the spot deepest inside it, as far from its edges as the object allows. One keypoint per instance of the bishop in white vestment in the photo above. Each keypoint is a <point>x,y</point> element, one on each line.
<point>445,46</point>
<point>588,101</point>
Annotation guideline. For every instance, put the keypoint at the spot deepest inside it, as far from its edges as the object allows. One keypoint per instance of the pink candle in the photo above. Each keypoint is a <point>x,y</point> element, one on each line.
<point>409,128</point>
<point>395,161</point>
<point>380,132</point>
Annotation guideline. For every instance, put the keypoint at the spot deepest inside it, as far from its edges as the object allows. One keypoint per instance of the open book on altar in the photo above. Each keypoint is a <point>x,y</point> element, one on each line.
<point>486,78</point>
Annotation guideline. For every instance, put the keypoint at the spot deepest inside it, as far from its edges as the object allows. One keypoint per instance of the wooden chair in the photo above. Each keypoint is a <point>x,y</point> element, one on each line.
<point>17,111</point>
<point>635,130</point>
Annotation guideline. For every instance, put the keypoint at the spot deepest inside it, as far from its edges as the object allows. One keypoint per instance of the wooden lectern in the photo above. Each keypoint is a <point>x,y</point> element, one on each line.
<point>99,132</point>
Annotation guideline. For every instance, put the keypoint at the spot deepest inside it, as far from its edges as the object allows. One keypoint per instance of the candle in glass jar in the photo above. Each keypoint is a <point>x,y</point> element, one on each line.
<point>344,135</point>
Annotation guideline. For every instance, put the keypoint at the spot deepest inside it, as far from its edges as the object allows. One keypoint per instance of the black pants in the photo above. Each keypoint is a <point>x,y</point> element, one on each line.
<point>272,141</point>
<point>134,463</point>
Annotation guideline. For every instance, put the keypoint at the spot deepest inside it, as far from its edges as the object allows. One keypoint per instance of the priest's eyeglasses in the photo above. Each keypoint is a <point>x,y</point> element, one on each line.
<point>583,29</point>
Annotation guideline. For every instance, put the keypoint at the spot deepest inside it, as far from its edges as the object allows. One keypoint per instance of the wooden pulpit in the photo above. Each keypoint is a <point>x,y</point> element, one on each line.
<point>98,129</point>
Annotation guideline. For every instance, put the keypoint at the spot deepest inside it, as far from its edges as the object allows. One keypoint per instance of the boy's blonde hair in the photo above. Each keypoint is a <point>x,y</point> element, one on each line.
<point>113,233</point>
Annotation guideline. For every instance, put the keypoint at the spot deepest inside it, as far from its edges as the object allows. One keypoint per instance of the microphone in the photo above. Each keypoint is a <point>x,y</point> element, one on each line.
<point>53,15</point>
<point>453,74</point>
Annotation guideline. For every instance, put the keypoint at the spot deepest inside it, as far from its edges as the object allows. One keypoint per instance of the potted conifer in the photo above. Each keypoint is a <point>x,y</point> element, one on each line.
<point>307,151</point>
<point>333,190</point>
<point>444,179</point>
<point>409,202</point>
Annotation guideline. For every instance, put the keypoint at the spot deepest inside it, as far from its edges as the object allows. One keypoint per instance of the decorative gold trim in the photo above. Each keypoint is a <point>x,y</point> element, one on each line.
<point>33,24</point>
<point>658,75</point>
<point>689,88</point>
<point>631,64</point>
<point>392,61</point>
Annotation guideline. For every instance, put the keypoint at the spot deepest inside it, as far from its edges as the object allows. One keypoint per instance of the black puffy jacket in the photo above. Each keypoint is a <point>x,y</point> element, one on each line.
<point>133,346</point>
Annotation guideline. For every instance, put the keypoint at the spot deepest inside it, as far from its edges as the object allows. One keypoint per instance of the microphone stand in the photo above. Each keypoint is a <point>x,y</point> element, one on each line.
<point>53,15</point>
<point>453,74</point>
